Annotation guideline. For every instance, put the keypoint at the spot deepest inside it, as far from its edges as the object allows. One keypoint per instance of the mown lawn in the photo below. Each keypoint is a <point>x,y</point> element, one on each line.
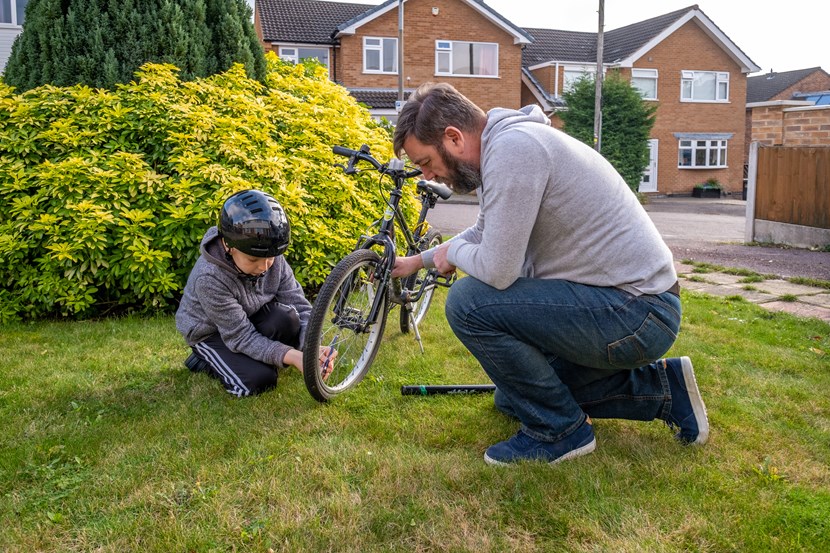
<point>108,443</point>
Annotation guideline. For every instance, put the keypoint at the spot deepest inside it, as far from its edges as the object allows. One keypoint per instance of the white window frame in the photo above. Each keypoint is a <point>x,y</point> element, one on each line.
<point>292,53</point>
<point>687,86</point>
<point>444,50</point>
<point>572,73</point>
<point>369,45</point>
<point>16,18</point>
<point>711,151</point>
<point>643,75</point>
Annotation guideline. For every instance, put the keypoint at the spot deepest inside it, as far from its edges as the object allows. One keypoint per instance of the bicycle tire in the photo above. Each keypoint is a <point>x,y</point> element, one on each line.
<point>338,319</point>
<point>413,282</point>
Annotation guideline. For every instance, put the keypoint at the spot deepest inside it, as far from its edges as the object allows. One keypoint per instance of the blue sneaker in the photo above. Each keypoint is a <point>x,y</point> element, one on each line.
<point>688,413</point>
<point>522,447</point>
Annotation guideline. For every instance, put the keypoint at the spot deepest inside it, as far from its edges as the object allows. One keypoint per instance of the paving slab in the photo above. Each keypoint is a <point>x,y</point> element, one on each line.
<point>799,309</point>
<point>720,278</point>
<point>782,287</point>
<point>820,300</point>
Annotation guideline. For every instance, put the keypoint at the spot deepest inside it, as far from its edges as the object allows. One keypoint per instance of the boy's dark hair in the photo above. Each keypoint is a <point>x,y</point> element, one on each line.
<point>430,110</point>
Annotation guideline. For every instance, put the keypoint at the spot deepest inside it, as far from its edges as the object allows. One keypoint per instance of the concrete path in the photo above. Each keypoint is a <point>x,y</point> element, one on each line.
<point>690,226</point>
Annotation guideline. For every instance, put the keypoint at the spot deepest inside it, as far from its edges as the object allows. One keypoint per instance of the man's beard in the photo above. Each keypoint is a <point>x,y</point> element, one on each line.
<point>463,177</point>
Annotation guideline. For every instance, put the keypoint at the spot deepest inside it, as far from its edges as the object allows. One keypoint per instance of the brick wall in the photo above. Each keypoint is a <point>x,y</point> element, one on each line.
<point>455,21</point>
<point>790,123</point>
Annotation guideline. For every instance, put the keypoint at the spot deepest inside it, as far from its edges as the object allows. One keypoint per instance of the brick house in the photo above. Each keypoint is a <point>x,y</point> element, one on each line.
<point>680,60</point>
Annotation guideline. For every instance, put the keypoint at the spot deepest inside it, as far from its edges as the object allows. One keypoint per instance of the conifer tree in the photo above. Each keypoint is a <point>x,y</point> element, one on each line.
<point>101,43</point>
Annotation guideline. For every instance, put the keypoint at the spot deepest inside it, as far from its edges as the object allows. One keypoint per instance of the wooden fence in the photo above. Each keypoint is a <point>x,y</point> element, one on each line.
<point>789,195</point>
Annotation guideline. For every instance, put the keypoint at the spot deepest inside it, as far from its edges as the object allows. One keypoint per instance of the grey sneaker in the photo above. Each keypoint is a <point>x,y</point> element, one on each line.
<point>522,447</point>
<point>688,413</point>
<point>196,364</point>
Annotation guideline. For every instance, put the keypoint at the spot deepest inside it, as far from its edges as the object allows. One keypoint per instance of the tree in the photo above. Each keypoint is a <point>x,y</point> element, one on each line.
<point>101,43</point>
<point>626,123</point>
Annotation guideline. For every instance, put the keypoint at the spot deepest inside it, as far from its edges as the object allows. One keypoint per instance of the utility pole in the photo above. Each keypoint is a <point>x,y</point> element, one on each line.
<point>598,81</point>
<point>400,52</point>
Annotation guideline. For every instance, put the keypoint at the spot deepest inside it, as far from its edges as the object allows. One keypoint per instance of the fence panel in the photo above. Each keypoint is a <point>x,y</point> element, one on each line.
<point>793,185</point>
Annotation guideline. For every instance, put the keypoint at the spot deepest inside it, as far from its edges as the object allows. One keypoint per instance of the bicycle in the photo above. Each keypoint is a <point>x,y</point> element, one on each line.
<point>350,313</point>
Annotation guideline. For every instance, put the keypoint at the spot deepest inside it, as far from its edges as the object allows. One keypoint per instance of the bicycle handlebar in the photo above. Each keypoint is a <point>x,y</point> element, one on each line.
<point>365,155</point>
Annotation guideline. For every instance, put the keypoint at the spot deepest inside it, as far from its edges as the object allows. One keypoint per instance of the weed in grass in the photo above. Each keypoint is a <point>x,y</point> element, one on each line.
<point>749,288</point>
<point>696,278</point>
<point>735,297</point>
<point>788,298</point>
<point>768,472</point>
<point>752,278</point>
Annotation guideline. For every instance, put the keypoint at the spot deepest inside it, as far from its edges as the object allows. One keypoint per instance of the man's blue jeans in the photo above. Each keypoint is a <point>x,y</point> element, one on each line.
<point>558,351</point>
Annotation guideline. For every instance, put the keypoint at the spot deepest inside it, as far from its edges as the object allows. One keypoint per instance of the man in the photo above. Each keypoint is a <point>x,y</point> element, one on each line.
<point>571,297</point>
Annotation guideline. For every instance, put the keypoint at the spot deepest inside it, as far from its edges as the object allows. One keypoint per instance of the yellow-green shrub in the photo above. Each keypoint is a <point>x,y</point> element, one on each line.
<point>104,195</point>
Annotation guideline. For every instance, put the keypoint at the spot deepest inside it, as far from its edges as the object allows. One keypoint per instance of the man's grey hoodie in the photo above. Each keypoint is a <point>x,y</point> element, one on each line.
<point>217,300</point>
<point>551,207</point>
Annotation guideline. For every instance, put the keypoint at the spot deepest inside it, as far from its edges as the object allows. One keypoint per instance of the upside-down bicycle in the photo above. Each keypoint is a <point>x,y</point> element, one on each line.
<point>349,314</point>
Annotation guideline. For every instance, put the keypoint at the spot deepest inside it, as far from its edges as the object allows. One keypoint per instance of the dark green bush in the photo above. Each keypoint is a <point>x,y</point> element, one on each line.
<point>104,195</point>
<point>626,123</point>
<point>101,43</point>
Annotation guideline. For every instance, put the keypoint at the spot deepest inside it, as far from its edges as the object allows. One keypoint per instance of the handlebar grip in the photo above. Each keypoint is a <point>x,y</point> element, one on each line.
<point>341,151</point>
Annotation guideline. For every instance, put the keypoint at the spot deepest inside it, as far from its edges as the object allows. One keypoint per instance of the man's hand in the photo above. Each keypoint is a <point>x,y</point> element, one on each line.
<point>405,266</point>
<point>440,259</point>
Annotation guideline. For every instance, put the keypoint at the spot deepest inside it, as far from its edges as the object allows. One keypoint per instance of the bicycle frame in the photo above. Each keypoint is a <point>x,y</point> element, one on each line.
<point>385,237</point>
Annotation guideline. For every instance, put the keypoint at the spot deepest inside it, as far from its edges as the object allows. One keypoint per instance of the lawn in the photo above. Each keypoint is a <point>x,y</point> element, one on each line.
<point>108,443</point>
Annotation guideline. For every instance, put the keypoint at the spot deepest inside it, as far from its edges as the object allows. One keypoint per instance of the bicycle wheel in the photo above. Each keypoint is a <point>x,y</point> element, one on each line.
<point>340,319</point>
<point>413,282</point>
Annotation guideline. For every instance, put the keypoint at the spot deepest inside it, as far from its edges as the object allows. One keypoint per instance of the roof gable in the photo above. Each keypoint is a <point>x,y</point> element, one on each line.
<point>624,46</point>
<point>349,27</point>
<point>763,88</point>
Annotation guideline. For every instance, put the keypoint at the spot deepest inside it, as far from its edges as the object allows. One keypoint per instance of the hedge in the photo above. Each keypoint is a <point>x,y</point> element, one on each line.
<point>105,195</point>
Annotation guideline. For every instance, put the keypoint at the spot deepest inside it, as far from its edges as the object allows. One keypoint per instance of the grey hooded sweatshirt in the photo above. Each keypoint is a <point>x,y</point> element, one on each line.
<point>217,300</point>
<point>552,208</point>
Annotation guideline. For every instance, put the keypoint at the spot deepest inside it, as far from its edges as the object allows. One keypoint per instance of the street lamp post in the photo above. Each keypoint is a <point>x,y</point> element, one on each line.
<point>598,81</point>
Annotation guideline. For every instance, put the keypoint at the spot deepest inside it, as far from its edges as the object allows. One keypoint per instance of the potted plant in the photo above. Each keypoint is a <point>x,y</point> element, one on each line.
<point>709,189</point>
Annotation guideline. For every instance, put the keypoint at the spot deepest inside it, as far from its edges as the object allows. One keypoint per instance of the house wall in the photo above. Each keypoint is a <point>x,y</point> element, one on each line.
<point>7,35</point>
<point>790,123</point>
<point>689,48</point>
<point>455,21</point>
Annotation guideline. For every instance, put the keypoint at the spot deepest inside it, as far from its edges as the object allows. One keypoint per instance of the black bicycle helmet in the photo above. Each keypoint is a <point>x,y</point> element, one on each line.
<point>254,223</point>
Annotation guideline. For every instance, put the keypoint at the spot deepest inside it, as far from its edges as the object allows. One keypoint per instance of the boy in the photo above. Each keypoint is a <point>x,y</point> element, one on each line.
<point>242,312</point>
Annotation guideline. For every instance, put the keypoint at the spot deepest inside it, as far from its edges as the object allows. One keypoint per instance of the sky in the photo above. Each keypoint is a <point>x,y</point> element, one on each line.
<point>781,37</point>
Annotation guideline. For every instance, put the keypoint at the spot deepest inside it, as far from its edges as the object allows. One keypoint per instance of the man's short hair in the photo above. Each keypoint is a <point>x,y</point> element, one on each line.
<point>430,110</point>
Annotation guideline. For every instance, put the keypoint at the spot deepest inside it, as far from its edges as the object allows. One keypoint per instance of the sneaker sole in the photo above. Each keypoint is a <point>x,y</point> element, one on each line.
<point>578,452</point>
<point>698,408</point>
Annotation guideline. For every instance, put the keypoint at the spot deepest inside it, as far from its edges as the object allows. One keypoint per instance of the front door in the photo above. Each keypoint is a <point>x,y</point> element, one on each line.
<point>649,182</point>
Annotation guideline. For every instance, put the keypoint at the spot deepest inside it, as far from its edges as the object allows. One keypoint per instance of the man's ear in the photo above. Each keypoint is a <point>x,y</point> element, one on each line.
<point>454,140</point>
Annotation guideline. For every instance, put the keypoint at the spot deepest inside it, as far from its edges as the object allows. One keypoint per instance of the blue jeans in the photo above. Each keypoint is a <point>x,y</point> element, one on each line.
<point>558,351</point>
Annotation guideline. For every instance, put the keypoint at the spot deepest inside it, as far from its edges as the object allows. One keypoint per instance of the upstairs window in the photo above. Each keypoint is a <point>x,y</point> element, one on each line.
<point>380,55</point>
<point>704,86</point>
<point>298,54</point>
<point>474,59</point>
<point>572,73</point>
<point>645,82</point>
<point>13,12</point>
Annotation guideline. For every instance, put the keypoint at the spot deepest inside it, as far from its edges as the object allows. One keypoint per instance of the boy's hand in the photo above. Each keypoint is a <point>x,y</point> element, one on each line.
<point>327,357</point>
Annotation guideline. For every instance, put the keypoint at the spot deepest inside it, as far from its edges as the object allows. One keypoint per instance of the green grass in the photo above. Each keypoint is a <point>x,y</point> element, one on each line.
<point>109,444</point>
